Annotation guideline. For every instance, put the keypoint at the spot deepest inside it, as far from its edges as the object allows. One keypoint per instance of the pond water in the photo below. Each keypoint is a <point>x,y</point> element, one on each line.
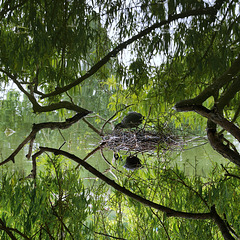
<point>196,158</point>
<point>16,119</point>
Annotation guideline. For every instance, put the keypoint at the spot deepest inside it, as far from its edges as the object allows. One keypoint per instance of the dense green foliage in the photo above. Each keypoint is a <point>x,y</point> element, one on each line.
<point>68,56</point>
<point>58,205</point>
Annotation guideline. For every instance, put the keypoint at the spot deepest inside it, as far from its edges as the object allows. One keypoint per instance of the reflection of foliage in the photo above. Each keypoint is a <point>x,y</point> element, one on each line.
<point>16,112</point>
<point>13,111</point>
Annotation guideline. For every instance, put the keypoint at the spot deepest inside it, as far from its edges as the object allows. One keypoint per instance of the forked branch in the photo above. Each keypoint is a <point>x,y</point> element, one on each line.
<point>37,127</point>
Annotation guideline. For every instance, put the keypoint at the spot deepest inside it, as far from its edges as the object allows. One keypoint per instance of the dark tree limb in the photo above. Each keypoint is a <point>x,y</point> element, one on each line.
<point>169,212</point>
<point>123,45</point>
<point>221,224</point>
<point>37,127</point>
<point>217,144</point>
<point>215,140</point>
<point>30,147</point>
<point>215,115</point>
<point>224,79</point>
<point>7,230</point>
<point>112,183</point>
<point>55,106</point>
<point>228,174</point>
<point>164,227</point>
<point>228,95</point>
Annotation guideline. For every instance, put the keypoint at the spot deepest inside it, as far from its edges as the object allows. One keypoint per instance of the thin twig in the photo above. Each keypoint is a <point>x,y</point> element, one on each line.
<point>114,116</point>
<point>227,174</point>
<point>91,153</point>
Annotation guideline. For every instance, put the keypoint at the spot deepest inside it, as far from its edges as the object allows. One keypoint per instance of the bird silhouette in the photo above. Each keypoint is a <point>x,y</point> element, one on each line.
<point>132,163</point>
<point>131,120</point>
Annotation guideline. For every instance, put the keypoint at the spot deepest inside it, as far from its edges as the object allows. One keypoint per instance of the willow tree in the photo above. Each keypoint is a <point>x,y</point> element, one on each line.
<point>180,53</point>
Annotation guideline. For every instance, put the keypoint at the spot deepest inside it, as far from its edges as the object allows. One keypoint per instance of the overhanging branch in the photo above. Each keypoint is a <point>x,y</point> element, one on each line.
<point>121,46</point>
<point>212,215</point>
<point>113,184</point>
<point>37,127</point>
<point>229,94</point>
<point>224,79</point>
<point>214,117</point>
<point>216,142</point>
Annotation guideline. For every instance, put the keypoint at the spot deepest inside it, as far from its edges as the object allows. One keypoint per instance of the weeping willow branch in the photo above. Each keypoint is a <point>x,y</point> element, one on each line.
<point>196,12</point>
<point>211,90</point>
<point>231,80</point>
<point>9,231</point>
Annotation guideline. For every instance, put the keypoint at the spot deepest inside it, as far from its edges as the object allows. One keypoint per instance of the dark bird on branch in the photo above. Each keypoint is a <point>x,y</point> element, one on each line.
<point>131,120</point>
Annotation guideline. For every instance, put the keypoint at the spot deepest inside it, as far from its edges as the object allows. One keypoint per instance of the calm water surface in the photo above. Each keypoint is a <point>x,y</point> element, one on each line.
<point>16,120</point>
<point>196,158</point>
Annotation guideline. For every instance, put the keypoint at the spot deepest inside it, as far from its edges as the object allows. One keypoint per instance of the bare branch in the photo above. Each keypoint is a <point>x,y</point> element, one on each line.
<point>92,127</point>
<point>191,189</point>
<point>91,153</point>
<point>114,116</point>
<point>228,174</point>
<point>37,127</point>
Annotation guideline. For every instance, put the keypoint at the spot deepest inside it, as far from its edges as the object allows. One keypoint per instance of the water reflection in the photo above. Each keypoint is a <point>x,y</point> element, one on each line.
<point>81,141</point>
<point>17,122</point>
